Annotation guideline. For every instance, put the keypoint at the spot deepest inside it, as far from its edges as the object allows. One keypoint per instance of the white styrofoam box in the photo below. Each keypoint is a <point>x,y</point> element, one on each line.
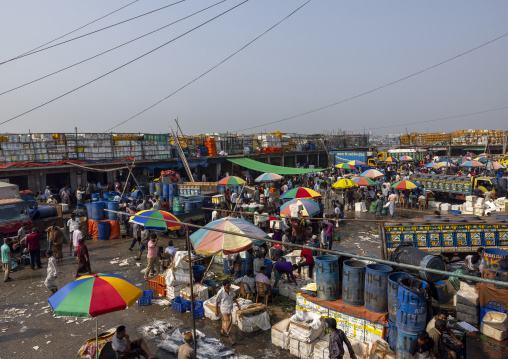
<point>479,212</point>
<point>496,320</point>
<point>471,319</point>
<point>321,348</point>
<point>358,328</point>
<point>298,330</point>
<point>361,349</point>
<point>280,334</point>
<point>253,322</point>
<point>456,207</point>
<point>467,287</point>
<point>478,205</point>
<point>173,291</point>
<point>445,207</point>
<point>493,333</point>
<point>200,292</point>
<point>480,200</point>
<point>471,198</point>
<point>467,309</point>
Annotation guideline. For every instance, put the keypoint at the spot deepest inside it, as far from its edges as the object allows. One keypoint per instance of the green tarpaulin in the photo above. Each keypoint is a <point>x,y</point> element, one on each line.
<point>264,167</point>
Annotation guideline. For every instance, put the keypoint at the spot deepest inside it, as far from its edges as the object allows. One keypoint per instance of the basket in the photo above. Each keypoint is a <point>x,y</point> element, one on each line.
<point>146,299</point>
<point>180,305</point>
<point>161,280</point>
<point>199,313</point>
<point>148,293</point>
<point>161,290</point>
<point>152,284</point>
<point>198,304</point>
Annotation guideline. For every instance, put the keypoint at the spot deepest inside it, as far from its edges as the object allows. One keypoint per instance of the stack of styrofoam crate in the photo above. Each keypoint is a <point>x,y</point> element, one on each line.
<point>495,325</point>
<point>200,292</point>
<point>280,334</point>
<point>479,207</point>
<point>321,348</point>
<point>468,304</point>
<point>173,291</point>
<point>469,204</point>
<point>304,329</point>
<point>435,204</point>
<point>456,207</point>
<point>500,204</point>
<point>445,206</point>
<point>289,289</point>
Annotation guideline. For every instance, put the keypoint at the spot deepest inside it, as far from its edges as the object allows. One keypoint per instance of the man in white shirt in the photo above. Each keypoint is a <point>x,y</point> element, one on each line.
<point>249,279</point>
<point>285,188</point>
<point>234,197</point>
<point>262,278</point>
<point>121,344</point>
<point>76,237</point>
<point>72,225</point>
<point>215,215</point>
<point>47,193</point>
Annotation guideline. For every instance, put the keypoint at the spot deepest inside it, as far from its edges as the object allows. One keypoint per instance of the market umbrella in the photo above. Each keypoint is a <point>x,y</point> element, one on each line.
<point>344,183</point>
<point>153,222</point>
<point>345,166</point>
<point>390,159</point>
<point>94,295</point>
<point>356,163</point>
<point>494,165</point>
<point>432,165</point>
<point>364,182</point>
<point>309,207</point>
<point>372,174</point>
<point>300,192</point>
<point>472,164</point>
<point>406,158</point>
<point>481,159</point>
<point>231,181</point>
<point>268,177</point>
<point>405,185</point>
<point>209,242</point>
<point>446,164</point>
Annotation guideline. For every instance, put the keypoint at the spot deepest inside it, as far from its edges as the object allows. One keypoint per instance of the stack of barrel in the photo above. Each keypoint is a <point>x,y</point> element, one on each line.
<point>96,213</point>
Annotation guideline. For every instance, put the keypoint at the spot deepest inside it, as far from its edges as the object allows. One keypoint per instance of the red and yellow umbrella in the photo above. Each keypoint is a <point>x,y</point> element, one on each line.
<point>300,192</point>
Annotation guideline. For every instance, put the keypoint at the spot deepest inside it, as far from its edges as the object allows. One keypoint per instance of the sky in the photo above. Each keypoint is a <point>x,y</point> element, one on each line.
<point>328,51</point>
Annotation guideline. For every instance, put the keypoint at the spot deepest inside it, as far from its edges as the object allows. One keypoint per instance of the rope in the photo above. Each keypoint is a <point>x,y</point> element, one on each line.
<point>97,169</point>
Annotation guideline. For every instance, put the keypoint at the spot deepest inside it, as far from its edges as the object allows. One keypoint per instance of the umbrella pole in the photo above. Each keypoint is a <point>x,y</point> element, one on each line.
<point>96,338</point>
<point>191,292</point>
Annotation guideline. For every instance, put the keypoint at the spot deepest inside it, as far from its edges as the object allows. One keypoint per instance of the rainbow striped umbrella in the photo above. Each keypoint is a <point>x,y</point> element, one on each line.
<point>344,183</point>
<point>446,164</point>
<point>153,222</point>
<point>356,163</point>
<point>231,181</point>
<point>390,160</point>
<point>268,177</point>
<point>405,185</point>
<point>495,165</point>
<point>406,158</point>
<point>364,182</point>
<point>432,165</point>
<point>345,166</point>
<point>309,207</point>
<point>472,164</point>
<point>481,159</point>
<point>211,242</point>
<point>300,192</point>
<point>94,295</point>
<point>372,174</point>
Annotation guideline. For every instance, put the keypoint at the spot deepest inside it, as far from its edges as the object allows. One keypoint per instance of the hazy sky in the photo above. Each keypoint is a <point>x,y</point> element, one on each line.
<point>328,51</point>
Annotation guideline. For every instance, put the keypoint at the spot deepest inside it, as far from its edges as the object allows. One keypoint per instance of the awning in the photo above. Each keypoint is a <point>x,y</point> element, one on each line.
<point>264,167</point>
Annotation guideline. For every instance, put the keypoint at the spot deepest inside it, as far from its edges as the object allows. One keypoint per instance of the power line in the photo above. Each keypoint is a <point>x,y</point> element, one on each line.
<point>119,67</point>
<point>105,52</point>
<point>79,28</point>
<point>443,118</point>
<point>90,33</point>
<point>209,70</point>
<point>377,88</point>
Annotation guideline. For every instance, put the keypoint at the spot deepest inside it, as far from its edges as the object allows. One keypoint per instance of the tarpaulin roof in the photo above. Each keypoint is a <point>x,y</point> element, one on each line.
<point>60,163</point>
<point>264,167</point>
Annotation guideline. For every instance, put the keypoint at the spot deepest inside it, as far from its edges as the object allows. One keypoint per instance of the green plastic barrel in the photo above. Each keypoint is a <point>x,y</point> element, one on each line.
<point>178,205</point>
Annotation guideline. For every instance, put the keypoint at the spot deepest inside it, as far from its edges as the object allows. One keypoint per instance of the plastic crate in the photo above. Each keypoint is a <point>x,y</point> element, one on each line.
<point>491,307</point>
<point>161,280</point>
<point>199,313</point>
<point>161,290</point>
<point>152,284</point>
<point>198,304</point>
<point>180,305</point>
<point>148,293</point>
<point>145,300</point>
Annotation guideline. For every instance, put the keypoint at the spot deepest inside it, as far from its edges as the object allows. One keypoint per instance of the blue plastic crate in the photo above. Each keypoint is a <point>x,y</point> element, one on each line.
<point>145,300</point>
<point>491,307</point>
<point>148,293</point>
<point>199,313</point>
<point>180,305</point>
<point>198,304</point>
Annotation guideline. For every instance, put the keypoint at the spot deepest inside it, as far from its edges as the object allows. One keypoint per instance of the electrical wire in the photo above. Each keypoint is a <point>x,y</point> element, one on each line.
<point>105,52</point>
<point>79,28</point>
<point>125,64</point>
<point>211,69</point>
<point>377,88</point>
<point>90,33</point>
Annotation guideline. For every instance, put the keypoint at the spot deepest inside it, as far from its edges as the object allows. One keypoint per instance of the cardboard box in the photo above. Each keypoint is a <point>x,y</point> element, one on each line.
<point>280,334</point>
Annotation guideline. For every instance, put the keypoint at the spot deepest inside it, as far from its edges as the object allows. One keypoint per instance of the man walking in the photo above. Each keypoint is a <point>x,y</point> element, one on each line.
<point>153,258</point>
<point>34,247</point>
<point>72,225</point>
<point>337,340</point>
<point>6,259</point>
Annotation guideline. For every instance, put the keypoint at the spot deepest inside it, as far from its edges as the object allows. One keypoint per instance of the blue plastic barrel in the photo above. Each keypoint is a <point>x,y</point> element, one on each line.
<point>97,211</point>
<point>411,308</point>
<point>172,190</point>
<point>188,206</point>
<point>404,342</point>
<point>226,262</point>
<point>45,212</point>
<point>393,292</point>
<point>198,272</point>
<point>376,287</point>
<point>165,190</point>
<point>327,277</point>
<point>178,205</point>
<point>112,206</point>
<point>103,230</point>
<point>353,282</point>
<point>106,194</point>
<point>89,210</point>
<point>151,188</point>
<point>95,196</point>
<point>392,335</point>
<point>212,287</point>
<point>80,206</point>
<point>158,188</point>
<point>243,267</point>
<point>268,265</point>
<point>442,292</point>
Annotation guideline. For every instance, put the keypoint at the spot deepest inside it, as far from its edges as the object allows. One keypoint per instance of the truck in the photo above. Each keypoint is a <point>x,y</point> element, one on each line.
<point>14,211</point>
<point>415,154</point>
<point>458,186</point>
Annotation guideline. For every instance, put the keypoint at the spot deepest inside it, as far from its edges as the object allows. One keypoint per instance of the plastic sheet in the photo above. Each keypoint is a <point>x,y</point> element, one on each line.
<point>155,328</point>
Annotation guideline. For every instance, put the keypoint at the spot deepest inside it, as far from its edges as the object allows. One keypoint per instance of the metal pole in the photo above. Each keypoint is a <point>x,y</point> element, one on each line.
<point>345,254</point>
<point>191,290</point>
<point>97,337</point>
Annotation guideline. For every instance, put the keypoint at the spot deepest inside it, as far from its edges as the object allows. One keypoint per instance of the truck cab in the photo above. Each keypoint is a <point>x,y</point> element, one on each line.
<point>14,211</point>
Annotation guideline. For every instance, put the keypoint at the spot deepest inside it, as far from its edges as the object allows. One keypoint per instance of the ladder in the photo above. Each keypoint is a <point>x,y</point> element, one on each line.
<point>182,156</point>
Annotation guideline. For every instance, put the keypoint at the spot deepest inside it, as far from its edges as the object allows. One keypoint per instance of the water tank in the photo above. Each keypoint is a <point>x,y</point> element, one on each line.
<point>327,277</point>
<point>412,305</point>
<point>89,210</point>
<point>376,287</point>
<point>103,230</point>
<point>97,211</point>
<point>112,206</point>
<point>393,290</point>
<point>407,254</point>
<point>353,282</point>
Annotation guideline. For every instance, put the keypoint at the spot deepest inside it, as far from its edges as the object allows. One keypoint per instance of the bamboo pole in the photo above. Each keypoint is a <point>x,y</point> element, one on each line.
<point>191,290</point>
